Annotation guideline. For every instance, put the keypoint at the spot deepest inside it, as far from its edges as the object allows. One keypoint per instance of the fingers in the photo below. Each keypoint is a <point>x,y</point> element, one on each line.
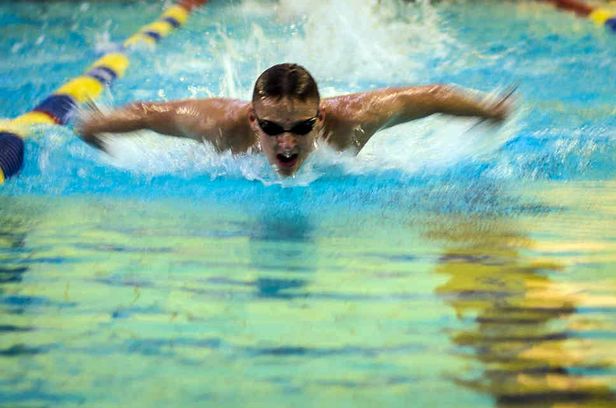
<point>510,91</point>
<point>502,108</point>
<point>87,122</point>
<point>86,130</point>
<point>93,140</point>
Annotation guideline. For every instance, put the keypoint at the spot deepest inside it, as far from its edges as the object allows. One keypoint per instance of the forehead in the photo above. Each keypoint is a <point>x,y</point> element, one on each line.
<point>285,109</point>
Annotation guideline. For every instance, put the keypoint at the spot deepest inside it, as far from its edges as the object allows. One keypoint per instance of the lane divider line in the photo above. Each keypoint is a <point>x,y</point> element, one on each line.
<point>59,107</point>
<point>600,16</point>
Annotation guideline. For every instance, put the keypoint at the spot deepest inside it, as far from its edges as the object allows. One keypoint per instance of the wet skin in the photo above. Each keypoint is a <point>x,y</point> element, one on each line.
<point>286,151</point>
<point>343,122</point>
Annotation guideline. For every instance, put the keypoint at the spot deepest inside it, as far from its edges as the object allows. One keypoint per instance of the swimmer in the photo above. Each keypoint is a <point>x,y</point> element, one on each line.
<point>286,118</point>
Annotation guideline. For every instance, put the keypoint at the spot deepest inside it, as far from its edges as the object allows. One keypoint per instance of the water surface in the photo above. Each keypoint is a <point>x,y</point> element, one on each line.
<point>446,265</point>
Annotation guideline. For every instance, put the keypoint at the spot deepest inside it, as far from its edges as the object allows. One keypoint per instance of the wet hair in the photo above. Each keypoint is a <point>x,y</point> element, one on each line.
<point>285,81</point>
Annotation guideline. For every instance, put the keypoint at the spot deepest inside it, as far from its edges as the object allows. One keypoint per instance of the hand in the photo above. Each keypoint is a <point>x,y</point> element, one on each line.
<point>499,110</point>
<point>88,125</point>
<point>87,132</point>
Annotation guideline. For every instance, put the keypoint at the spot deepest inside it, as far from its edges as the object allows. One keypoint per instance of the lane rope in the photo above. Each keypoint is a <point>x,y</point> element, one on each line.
<point>599,15</point>
<point>59,107</point>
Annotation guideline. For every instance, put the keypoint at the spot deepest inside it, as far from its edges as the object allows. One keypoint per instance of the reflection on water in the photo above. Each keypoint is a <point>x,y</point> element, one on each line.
<point>518,334</point>
<point>12,247</point>
<point>14,256</point>
<point>281,241</point>
<point>445,305</point>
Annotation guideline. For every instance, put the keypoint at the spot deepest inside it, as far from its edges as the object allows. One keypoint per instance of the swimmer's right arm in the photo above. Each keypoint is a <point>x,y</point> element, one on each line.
<point>169,118</point>
<point>191,119</point>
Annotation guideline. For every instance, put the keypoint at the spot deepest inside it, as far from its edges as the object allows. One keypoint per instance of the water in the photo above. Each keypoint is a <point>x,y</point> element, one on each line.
<point>441,267</point>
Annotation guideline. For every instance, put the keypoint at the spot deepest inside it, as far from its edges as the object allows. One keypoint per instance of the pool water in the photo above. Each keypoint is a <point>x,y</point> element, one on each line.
<point>447,265</point>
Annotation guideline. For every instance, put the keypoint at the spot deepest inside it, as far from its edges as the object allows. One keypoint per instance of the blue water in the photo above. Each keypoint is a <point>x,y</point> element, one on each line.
<point>563,129</point>
<point>447,264</point>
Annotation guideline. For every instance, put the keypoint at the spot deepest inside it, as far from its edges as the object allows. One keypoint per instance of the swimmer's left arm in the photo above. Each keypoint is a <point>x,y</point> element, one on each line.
<point>384,108</point>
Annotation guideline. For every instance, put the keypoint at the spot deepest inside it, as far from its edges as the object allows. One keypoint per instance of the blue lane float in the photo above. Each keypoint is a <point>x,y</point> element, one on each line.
<point>105,75</point>
<point>58,108</point>
<point>174,23</point>
<point>154,35</point>
<point>600,16</point>
<point>11,159</point>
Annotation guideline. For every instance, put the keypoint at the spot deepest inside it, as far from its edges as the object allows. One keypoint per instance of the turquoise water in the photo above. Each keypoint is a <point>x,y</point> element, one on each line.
<point>447,264</point>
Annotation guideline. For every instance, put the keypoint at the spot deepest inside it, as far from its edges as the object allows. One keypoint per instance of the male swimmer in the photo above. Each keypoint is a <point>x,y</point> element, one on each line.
<point>286,116</point>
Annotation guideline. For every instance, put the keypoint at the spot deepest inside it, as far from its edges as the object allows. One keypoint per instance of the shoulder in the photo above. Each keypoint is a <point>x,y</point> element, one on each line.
<point>362,108</point>
<point>223,122</point>
<point>344,107</point>
<point>349,119</point>
<point>227,108</point>
<point>213,112</point>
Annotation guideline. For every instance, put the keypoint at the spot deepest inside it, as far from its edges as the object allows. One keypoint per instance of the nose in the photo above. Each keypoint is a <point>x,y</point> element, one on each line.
<point>287,141</point>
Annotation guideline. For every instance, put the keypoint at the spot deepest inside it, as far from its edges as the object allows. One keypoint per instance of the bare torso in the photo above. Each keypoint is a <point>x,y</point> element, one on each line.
<point>225,124</point>
<point>348,121</point>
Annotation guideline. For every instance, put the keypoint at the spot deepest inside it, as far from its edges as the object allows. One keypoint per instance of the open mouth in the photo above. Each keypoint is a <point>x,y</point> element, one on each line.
<point>287,160</point>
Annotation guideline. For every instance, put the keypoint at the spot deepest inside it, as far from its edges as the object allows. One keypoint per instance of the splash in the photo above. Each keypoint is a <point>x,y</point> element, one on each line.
<point>386,42</point>
<point>379,44</point>
<point>429,146</point>
<point>383,42</point>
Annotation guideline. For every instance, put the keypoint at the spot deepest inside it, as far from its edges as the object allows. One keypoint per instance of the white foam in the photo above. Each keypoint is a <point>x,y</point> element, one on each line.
<point>389,41</point>
<point>430,145</point>
<point>376,41</point>
<point>386,42</point>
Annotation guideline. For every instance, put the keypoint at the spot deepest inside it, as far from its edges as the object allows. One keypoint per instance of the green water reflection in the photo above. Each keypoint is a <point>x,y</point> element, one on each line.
<point>521,330</point>
<point>147,303</point>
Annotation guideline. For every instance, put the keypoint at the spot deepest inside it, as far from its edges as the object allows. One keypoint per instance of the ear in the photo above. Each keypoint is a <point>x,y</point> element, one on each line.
<point>321,115</point>
<point>252,120</point>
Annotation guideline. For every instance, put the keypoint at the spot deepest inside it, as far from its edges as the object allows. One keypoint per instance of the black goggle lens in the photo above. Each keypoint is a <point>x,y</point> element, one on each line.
<point>270,128</point>
<point>303,128</point>
<point>274,129</point>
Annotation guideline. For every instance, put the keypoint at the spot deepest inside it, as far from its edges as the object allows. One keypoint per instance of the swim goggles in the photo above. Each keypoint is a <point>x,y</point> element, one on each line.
<point>300,128</point>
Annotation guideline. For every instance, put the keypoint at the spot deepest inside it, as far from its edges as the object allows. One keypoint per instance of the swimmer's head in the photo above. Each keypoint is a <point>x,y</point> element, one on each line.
<point>285,115</point>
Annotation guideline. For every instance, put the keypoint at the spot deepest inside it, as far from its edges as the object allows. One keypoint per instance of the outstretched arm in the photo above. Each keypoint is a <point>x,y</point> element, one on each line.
<point>359,116</point>
<point>195,119</point>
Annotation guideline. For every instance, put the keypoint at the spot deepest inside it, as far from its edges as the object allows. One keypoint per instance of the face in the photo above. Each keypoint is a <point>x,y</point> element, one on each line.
<point>287,129</point>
